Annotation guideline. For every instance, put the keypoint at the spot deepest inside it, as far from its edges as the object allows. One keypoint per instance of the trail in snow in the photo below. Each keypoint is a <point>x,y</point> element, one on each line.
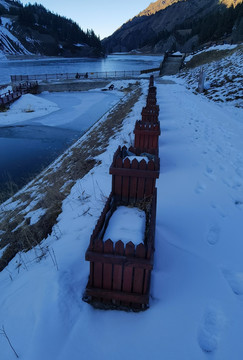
<point>200,190</point>
<point>196,292</point>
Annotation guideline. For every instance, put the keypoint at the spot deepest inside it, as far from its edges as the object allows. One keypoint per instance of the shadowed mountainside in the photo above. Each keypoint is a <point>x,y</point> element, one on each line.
<point>167,25</point>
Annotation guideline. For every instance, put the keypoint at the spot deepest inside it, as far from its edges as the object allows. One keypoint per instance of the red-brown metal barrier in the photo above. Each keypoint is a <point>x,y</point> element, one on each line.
<point>151,100</point>
<point>150,113</point>
<point>151,80</point>
<point>152,90</point>
<point>133,180</point>
<point>147,136</point>
<point>120,274</point>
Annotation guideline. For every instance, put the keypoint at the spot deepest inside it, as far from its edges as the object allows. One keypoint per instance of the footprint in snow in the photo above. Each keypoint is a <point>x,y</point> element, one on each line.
<point>210,329</point>
<point>213,235</point>
<point>235,280</point>
<point>239,204</point>
<point>219,150</point>
<point>209,173</point>
<point>232,183</point>
<point>200,188</point>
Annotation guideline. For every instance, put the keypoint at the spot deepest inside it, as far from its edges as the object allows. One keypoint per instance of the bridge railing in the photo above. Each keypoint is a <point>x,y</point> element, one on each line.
<point>78,76</point>
<point>11,95</point>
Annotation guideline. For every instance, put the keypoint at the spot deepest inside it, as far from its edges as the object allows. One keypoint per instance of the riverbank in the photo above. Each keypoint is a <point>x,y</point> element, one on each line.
<point>196,293</point>
<point>38,128</point>
<point>71,85</point>
<point>30,215</point>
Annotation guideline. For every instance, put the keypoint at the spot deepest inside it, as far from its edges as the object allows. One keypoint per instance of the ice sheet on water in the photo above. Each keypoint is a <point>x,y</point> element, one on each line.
<point>26,108</point>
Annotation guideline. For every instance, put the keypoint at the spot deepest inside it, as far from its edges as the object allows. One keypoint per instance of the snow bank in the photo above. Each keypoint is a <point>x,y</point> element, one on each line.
<point>211,48</point>
<point>26,108</point>
<point>223,78</point>
<point>126,224</point>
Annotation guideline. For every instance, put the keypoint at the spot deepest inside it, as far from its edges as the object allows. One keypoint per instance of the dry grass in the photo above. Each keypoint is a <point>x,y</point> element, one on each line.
<point>53,185</point>
<point>209,56</point>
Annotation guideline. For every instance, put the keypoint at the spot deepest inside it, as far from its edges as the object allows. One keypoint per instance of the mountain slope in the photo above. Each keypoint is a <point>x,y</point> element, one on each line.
<point>39,31</point>
<point>160,22</point>
<point>9,44</point>
<point>163,4</point>
<point>157,6</point>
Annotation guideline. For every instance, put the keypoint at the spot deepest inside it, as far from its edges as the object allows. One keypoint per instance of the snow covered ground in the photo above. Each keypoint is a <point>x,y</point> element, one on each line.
<point>196,305</point>
<point>223,76</point>
<point>211,48</point>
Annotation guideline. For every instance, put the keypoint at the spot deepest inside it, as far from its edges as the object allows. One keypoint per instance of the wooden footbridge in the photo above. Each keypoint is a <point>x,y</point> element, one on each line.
<point>19,90</point>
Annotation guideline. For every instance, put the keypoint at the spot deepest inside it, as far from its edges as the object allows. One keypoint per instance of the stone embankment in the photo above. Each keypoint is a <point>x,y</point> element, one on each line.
<point>171,64</point>
<point>71,85</point>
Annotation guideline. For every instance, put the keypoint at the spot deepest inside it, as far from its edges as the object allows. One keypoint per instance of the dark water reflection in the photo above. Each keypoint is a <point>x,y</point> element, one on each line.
<point>26,150</point>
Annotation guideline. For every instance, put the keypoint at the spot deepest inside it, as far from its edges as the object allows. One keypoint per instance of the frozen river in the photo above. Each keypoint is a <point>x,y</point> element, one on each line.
<point>74,65</point>
<point>31,141</point>
<point>28,145</point>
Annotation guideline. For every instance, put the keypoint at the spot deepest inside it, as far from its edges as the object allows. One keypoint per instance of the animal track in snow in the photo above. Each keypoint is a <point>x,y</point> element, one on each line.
<point>210,329</point>
<point>213,235</point>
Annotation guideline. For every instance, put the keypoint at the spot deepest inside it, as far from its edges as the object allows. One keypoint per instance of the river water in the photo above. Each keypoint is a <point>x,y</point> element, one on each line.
<point>28,147</point>
<point>74,65</point>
